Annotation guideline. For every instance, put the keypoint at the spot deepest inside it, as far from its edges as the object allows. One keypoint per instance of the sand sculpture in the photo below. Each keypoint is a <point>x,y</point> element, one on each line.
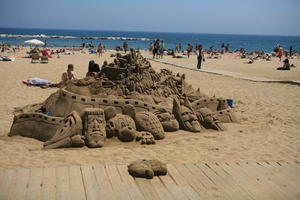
<point>147,168</point>
<point>127,100</point>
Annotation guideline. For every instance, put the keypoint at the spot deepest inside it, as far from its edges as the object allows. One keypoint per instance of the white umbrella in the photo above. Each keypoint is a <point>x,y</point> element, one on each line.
<point>34,42</point>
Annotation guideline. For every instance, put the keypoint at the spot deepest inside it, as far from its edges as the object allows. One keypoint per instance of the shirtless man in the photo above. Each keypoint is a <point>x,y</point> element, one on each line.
<point>68,75</point>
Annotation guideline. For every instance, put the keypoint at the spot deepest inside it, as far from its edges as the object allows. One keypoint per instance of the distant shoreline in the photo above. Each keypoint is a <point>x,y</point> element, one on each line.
<point>72,37</point>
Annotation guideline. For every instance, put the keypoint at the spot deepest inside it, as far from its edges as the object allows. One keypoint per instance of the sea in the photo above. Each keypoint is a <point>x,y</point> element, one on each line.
<point>264,43</point>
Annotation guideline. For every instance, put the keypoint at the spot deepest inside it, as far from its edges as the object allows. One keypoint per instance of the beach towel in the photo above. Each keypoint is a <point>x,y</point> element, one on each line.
<point>45,53</point>
<point>37,82</point>
<point>7,59</point>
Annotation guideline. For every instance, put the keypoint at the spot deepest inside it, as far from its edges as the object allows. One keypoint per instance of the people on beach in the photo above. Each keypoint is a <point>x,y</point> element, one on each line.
<point>156,48</point>
<point>200,56</point>
<point>251,60</point>
<point>176,48</point>
<point>68,75</point>
<point>93,69</point>
<point>100,50</point>
<point>151,47</point>
<point>291,51</point>
<point>226,48</point>
<point>280,53</point>
<point>91,45</point>
<point>125,46</point>
<point>286,65</point>
<point>161,49</point>
<point>189,50</point>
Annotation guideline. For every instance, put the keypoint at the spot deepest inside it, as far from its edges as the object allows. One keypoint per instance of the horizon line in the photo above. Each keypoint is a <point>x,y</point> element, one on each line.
<point>256,34</point>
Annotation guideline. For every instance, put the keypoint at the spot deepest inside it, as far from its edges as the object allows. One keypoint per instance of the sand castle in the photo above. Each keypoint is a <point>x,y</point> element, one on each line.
<point>127,100</point>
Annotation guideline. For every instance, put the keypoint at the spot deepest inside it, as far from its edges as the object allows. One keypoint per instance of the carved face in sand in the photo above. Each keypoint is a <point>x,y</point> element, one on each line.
<point>168,121</point>
<point>186,117</point>
<point>208,120</point>
<point>122,126</point>
<point>190,120</point>
<point>94,127</point>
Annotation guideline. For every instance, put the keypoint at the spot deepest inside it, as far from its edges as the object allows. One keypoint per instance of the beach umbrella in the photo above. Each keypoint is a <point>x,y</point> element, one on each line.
<point>34,42</point>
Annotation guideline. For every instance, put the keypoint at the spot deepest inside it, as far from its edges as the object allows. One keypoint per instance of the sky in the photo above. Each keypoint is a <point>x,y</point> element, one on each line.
<point>267,17</point>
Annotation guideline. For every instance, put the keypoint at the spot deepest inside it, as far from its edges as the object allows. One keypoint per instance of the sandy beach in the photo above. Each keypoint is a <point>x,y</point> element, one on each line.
<point>269,115</point>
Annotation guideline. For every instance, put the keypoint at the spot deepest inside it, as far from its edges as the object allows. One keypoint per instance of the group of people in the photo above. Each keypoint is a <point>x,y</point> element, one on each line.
<point>93,70</point>
<point>157,48</point>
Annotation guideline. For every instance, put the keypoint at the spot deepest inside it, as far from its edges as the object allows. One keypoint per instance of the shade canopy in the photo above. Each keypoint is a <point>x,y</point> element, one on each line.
<point>34,42</point>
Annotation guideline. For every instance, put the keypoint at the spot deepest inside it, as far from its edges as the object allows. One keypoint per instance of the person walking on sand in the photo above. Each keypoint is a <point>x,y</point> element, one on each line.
<point>280,53</point>
<point>100,50</point>
<point>200,56</point>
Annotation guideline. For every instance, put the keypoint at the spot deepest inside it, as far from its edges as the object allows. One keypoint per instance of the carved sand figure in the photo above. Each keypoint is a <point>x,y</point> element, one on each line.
<point>147,168</point>
<point>145,137</point>
<point>35,125</point>
<point>186,117</point>
<point>69,134</point>
<point>209,120</point>
<point>167,120</point>
<point>126,99</point>
<point>145,121</point>
<point>94,127</point>
<point>122,126</point>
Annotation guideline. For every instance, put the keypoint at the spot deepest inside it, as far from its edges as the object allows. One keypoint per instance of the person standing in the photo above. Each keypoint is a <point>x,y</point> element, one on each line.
<point>125,46</point>
<point>156,48</point>
<point>200,56</point>
<point>179,47</point>
<point>280,53</point>
<point>189,50</point>
<point>100,50</point>
<point>176,48</point>
<point>161,49</point>
<point>291,51</point>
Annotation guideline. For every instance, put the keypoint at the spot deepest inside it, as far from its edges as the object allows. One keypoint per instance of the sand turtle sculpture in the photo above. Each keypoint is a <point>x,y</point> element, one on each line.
<point>147,168</point>
<point>160,102</point>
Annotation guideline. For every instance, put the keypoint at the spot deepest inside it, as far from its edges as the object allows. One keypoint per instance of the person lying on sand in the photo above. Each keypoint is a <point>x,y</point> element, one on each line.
<point>175,56</point>
<point>251,60</point>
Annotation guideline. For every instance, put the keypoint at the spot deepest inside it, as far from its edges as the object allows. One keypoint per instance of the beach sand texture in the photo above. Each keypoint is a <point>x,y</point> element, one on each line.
<point>268,130</point>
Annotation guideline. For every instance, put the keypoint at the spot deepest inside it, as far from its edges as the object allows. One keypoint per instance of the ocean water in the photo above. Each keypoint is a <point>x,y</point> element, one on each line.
<point>249,42</point>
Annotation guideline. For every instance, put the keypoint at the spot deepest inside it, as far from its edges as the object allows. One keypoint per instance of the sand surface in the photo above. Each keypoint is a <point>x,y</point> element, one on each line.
<point>268,130</point>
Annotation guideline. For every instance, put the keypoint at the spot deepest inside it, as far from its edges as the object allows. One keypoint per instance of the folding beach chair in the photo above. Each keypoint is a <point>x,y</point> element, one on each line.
<point>44,59</point>
<point>35,58</point>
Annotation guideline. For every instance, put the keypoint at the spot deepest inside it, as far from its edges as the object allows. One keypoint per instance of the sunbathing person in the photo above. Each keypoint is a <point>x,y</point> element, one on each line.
<point>175,56</point>
<point>67,76</point>
<point>286,65</point>
<point>251,60</point>
<point>93,71</point>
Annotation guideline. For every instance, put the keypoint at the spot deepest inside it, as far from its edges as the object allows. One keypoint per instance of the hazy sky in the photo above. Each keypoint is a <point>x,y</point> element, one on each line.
<point>280,17</point>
